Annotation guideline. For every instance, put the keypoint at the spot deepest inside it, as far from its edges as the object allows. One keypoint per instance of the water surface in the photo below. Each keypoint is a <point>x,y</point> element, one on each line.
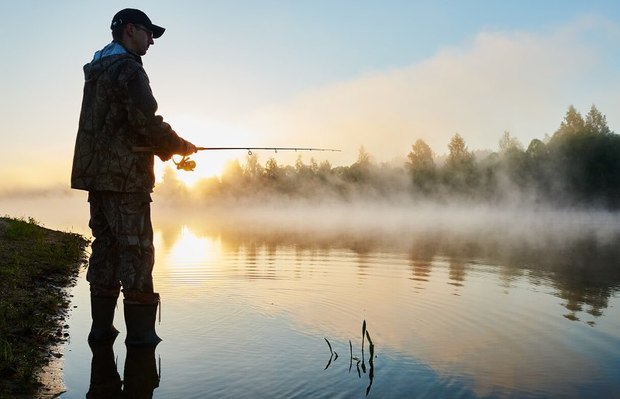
<point>248,311</point>
<point>458,302</point>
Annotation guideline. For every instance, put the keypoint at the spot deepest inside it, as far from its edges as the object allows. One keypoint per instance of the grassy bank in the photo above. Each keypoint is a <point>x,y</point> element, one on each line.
<point>36,267</point>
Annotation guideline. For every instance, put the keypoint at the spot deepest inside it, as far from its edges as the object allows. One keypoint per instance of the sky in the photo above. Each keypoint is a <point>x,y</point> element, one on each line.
<point>313,73</point>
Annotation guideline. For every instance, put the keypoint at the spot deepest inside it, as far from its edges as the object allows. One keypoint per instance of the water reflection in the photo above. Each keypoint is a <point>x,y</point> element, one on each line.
<point>582,269</point>
<point>454,314</point>
<point>189,250</point>
<point>483,307</point>
<point>105,382</point>
<point>457,272</point>
<point>470,302</point>
<point>140,377</point>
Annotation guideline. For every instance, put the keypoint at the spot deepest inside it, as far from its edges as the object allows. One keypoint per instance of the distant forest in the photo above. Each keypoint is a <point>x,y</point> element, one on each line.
<point>579,165</point>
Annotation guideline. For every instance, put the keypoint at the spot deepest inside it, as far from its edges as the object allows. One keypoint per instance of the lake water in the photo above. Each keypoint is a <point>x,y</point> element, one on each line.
<point>458,303</point>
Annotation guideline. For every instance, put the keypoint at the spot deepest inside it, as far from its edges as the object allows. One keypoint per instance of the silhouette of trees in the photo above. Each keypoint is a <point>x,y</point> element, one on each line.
<point>596,123</point>
<point>460,169</point>
<point>583,158</point>
<point>573,123</point>
<point>422,168</point>
<point>578,165</point>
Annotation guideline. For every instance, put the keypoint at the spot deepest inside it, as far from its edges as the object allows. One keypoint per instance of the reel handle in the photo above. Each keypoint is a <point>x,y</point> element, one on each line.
<point>186,164</point>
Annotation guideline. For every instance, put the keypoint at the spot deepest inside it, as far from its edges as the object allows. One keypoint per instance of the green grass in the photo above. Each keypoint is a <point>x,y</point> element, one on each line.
<point>36,266</point>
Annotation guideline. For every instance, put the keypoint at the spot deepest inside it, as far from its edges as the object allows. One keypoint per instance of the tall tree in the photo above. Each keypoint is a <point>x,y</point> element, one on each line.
<point>596,122</point>
<point>305,171</point>
<point>459,156</point>
<point>364,159</point>
<point>361,170</point>
<point>460,170</point>
<point>512,159</point>
<point>420,157</point>
<point>508,143</point>
<point>272,170</point>
<point>422,167</point>
<point>536,148</point>
<point>253,170</point>
<point>572,124</point>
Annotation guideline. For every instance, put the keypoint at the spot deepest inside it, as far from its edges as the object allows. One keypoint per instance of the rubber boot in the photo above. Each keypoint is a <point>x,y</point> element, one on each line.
<point>140,321</point>
<point>102,313</point>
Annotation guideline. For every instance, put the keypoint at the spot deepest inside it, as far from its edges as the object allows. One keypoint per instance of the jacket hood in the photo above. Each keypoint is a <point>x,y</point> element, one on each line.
<point>104,58</point>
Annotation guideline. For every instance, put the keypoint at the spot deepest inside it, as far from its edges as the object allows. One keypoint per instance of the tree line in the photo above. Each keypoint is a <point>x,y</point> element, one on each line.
<point>578,165</point>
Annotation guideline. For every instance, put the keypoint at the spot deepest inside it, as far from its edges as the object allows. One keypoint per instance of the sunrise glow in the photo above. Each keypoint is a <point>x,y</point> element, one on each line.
<point>192,252</point>
<point>208,165</point>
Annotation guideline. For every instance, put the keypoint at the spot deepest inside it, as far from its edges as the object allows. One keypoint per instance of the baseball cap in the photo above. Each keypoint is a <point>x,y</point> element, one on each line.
<point>133,16</point>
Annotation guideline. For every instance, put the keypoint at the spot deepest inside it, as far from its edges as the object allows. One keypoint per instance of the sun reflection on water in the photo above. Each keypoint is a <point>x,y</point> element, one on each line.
<point>189,254</point>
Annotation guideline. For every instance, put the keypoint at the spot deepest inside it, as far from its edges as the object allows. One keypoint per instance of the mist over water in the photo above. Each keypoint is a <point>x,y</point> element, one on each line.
<point>388,222</point>
<point>397,224</point>
<point>461,299</point>
<point>571,241</point>
<point>530,236</point>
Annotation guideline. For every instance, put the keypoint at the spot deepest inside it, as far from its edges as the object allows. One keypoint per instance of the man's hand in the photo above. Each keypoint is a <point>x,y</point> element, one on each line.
<point>188,149</point>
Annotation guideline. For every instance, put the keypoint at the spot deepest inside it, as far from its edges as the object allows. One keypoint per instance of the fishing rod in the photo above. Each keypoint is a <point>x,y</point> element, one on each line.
<point>189,165</point>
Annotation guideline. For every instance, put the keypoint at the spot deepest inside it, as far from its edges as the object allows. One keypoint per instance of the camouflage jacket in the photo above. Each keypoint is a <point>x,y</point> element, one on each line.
<point>117,115</point>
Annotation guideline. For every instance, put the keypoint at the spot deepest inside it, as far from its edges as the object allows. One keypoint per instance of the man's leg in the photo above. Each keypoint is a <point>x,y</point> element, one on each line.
<point>137,257</point>
<point>102,272</point>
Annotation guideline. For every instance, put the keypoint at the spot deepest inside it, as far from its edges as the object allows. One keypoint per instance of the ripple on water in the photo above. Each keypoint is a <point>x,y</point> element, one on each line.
<point>473,327</point>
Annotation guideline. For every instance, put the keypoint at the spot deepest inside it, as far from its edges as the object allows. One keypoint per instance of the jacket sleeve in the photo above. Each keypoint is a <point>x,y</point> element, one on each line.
<point>151,128</point>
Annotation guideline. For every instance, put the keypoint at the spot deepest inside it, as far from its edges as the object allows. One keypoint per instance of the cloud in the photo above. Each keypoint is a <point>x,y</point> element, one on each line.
<point>496,81</point>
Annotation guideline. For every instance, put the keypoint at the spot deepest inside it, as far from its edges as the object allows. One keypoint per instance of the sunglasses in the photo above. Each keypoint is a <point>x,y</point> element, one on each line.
<point>142,28</point>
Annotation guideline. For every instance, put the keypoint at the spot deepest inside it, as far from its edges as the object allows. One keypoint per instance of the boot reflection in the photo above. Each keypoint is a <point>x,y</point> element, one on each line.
<point>140,376</point>
<point>105,382</point>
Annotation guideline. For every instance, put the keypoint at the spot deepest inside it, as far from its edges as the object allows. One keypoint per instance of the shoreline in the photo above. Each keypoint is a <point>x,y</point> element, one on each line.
<point>38,267</point>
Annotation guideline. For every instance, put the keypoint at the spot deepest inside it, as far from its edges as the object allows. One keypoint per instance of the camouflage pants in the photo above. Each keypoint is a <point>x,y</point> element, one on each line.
<point>122,251</point>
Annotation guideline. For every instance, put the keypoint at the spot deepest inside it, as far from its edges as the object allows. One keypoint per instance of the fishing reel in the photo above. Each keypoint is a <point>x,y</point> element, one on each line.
<point>185,164</point>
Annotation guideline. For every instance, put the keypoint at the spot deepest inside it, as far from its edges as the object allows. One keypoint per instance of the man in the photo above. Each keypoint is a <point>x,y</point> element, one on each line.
<point>117,120</point>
